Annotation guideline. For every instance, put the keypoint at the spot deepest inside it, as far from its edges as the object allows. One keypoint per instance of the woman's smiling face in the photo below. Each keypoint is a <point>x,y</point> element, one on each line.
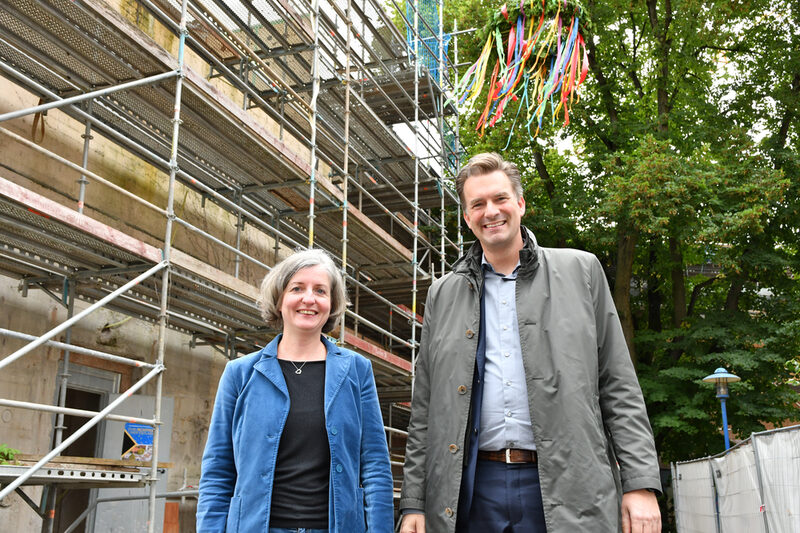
<point>306,301</point>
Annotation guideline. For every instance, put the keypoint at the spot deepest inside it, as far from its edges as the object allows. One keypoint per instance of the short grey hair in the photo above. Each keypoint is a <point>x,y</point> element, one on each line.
<point>277,279</point>
<point>486,163</point>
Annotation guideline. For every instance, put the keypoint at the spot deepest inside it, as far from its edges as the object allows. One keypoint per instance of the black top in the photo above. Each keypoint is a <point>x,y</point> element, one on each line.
<point>302,471</point>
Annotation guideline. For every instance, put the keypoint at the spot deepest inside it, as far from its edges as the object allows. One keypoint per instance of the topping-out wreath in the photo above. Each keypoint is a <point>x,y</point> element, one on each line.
<point>545,62</point>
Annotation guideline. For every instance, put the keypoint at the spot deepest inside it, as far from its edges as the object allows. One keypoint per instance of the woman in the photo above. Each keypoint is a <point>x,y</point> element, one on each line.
<point>296,440</point>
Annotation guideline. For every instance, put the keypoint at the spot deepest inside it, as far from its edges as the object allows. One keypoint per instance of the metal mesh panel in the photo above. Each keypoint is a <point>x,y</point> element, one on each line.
<point>694,498</point>
<point>13,56</point>
<point>737,490</point>
<point>427,32</point>
<point>73,245</point>
<point>756,483</point>
<point>778,456</point>
<point>24,256</point>
<point>64,26</point>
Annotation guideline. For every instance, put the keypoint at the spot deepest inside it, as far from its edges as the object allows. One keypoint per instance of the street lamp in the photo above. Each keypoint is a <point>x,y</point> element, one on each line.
<point>722,377</point>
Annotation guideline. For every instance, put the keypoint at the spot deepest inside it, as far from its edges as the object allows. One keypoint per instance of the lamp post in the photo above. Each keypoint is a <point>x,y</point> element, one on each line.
<point>722,377</point>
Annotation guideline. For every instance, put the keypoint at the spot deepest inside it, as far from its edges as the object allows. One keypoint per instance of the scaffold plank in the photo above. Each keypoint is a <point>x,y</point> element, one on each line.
<point>202,296</point>
<point>50,209</point>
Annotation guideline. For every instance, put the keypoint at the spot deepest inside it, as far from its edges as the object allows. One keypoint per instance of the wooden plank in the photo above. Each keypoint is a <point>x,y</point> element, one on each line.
<point>364,220</point>
<point>171,518</point>
<point>408,310</point>
<point>52,210</point>
<point>89,461</point>
<point>376,351</point>
<point>204,89</point>
<point>206,271</point>
<point>284,155</point>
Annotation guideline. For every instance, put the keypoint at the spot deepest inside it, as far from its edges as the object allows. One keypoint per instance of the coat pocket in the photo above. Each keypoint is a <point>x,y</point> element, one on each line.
<point>361,510</point>
<point>234,511</point>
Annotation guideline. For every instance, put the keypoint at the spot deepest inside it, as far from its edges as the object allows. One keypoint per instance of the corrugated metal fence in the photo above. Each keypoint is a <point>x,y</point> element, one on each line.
<point>753,488</point>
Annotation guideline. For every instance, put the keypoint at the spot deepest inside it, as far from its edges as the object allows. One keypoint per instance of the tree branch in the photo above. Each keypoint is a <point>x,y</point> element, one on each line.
<point>541,169</point>
<point>635,49</point>
<point>612,147</point>
<point>696,293</point>
<point>604,87</point>
<point>783,131</point>
<point>734,292</point>
<point>721,48</point>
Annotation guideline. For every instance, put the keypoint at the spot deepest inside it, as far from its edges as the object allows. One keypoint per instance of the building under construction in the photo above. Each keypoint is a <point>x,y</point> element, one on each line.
<point>156,158</point>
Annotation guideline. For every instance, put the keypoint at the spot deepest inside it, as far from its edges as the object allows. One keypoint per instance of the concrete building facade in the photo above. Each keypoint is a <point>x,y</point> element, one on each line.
<point>188,147</point>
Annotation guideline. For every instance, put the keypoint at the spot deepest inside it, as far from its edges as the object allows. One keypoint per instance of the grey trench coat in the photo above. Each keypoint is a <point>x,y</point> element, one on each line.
<point>587,411</point>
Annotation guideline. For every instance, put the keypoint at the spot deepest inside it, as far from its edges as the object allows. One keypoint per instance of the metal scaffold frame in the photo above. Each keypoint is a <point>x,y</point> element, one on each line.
<point>340,83</point>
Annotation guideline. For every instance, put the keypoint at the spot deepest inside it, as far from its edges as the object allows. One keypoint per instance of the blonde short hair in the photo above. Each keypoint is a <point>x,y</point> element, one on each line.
<point>486,163</point>
<point>277,279</point>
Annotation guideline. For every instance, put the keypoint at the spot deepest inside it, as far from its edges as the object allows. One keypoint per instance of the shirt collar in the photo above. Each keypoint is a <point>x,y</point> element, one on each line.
<point>487,267</point>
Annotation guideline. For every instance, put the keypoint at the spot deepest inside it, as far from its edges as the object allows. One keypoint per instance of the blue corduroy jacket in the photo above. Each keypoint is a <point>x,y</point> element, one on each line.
<point>249,414</point>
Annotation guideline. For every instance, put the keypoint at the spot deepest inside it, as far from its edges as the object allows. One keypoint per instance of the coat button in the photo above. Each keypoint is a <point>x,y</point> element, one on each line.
<point>453,448</point>
<point>470,333</point>
<point>462,389</point>
<point>334,431</point>
<point>339,468</point>
<point>448,512</point>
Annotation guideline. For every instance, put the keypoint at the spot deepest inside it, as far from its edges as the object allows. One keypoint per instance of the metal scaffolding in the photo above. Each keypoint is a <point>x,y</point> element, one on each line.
<point>293,116</point>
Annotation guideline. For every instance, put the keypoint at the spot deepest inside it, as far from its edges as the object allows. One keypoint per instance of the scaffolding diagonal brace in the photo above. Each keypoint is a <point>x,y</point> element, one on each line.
<point>66,324</point>
<point>78,433</point>
<point>87,96</point>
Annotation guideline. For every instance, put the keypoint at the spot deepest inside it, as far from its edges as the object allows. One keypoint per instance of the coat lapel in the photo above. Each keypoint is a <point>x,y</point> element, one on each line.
<point>337,366</point>
<point>269,367</point>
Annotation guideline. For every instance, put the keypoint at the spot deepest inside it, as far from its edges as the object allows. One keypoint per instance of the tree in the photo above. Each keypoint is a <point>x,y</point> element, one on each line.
<point>683,179</point>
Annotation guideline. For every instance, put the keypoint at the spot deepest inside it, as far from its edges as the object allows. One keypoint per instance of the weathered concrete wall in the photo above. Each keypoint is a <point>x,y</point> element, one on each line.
<point>63,136</point>
<point>192,373</point>
<point>190,379</point>
<point>53,180</point>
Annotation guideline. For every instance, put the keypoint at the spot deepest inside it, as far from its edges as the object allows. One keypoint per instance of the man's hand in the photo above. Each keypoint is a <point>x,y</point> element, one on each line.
<point>413,523</point>
<point>640,512</point>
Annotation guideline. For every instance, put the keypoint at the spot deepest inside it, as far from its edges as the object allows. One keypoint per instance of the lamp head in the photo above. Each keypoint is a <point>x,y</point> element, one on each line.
<point>721,378</point>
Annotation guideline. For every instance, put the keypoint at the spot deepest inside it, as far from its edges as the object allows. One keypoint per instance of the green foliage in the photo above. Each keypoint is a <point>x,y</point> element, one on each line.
<point>684,143</point>
<point>7,455</point>
<point>496,19</point>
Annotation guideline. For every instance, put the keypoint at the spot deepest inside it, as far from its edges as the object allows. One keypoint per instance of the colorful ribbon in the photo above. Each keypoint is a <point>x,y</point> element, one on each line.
<point>542,66</point>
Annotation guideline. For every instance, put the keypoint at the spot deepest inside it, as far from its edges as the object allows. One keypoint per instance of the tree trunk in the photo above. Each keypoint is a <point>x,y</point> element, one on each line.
<point>550,188</point>
<point>734,292</point>
<point>655,298</point>
<point>696,294</point>
<point>779,140</point>
<point>626,248</point>
<point>678,283</point>
<point>664,44</point>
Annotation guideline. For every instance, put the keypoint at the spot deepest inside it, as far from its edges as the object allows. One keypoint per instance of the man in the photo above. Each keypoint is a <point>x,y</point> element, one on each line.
<point>525,398</point>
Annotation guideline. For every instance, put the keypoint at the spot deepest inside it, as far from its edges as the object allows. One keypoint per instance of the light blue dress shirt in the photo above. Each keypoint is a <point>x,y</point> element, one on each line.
<point>505,415</point>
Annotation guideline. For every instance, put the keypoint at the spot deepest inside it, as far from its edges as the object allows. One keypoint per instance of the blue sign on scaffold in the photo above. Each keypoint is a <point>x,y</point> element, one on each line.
<point>137,442</point>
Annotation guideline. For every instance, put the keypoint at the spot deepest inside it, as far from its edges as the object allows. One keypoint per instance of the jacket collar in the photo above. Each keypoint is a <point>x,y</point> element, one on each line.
<point>337,366</point>
<point>469,264</point>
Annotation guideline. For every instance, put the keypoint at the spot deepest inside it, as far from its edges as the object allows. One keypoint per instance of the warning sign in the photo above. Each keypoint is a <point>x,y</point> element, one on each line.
<point>137,443</point>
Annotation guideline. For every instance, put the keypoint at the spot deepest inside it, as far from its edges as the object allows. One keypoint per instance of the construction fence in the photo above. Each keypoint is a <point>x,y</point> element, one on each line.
<point>753,487</point>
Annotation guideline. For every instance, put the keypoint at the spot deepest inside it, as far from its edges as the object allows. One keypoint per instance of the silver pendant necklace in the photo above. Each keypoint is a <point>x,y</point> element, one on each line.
<point>298,369</point>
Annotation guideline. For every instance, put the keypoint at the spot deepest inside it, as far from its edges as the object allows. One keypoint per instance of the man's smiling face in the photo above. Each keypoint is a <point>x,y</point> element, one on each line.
<point>492,210</point>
